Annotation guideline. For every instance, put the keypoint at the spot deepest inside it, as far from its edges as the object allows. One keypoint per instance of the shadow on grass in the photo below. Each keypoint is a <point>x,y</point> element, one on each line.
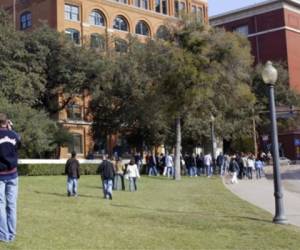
<point>192,212</point>
<point>65,195</point>
<point>92,186</point>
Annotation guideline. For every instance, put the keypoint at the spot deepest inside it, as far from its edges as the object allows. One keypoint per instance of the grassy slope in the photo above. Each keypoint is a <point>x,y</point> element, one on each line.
<point>195,213</point>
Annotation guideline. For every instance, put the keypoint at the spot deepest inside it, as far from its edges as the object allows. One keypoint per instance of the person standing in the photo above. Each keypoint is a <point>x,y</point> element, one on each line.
<point>133,174</point>
<point>72,170</point>
<point>120,169</point>
<point>258,168</point>
<point>152,165</point>
<point>208,164</point>
<point>107,175</point>
<point>9,143</point>
<point>234,168</point>
<point>221,163</point>
<point>169,166</point>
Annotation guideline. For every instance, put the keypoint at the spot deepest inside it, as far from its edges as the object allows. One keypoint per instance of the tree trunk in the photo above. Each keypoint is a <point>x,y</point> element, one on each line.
<point>177,149</point>
<point>254,135</point>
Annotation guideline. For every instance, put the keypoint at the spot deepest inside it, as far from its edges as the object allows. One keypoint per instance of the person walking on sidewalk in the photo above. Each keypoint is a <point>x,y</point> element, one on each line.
<point>9,143</point>
<point>234,168</point>
<point>258,168</point>
<point>72,170</point>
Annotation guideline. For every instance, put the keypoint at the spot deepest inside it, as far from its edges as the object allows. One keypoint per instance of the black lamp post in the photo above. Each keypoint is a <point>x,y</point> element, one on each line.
<point>270,75</point>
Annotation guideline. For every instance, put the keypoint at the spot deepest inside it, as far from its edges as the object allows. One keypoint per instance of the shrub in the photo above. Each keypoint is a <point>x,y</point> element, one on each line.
<point>54,169</point>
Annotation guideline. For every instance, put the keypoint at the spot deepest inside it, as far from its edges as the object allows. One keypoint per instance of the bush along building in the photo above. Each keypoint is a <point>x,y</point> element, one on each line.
<point>90,21</point>
<point>273,30</point>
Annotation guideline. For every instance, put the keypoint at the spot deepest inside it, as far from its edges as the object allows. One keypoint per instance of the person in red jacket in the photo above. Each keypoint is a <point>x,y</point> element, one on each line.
<point>72,170</point>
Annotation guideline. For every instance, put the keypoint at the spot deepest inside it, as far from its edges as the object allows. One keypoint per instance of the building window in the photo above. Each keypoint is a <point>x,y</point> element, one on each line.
<point>73,35</point>
<point>176,8</point>
<point>200,14</point>
<point>194,9</point>
<point>164,6</point>
<point>157,6</point>
<point>74,112</point>
<point>97,18</point>
<point>181,7</point>
<point>76,144</point>
<point>161,6</point>
<point>26,20</point>
<point>142,28</point>
<point>98,41</point>
<point>71,12</point>
<point>120,23</point>
<point>141,3</point>
<point>121,45</point>
<point>122,1</point>
<point>243,30</point>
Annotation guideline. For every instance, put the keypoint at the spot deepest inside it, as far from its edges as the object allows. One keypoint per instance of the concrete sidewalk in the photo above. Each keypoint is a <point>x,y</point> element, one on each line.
<point>261,193</point>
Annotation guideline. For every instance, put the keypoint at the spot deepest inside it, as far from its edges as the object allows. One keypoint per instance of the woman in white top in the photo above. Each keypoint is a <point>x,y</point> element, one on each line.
<point>250,166</point>
<point>133,174</point>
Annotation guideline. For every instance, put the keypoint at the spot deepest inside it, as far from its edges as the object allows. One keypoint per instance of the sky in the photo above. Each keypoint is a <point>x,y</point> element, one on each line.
<point>216,7</point>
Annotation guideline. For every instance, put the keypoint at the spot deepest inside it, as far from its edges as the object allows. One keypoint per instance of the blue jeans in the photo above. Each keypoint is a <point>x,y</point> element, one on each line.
<point>132,184</point>
<point>193,171</point>
<point>170,171</point>
<point>153,171</point>
<point>222,169</point>
<point>208,170</point>
<point>72,186</point>
<point>116,182</point>
<point>8,209</point>
<point>107,188</point>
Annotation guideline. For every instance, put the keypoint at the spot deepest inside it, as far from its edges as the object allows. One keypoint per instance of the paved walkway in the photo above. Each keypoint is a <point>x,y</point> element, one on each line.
<point>261,192</point>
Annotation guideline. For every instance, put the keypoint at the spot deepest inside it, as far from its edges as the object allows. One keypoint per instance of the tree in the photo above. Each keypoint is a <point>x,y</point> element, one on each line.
<point>209,75</point>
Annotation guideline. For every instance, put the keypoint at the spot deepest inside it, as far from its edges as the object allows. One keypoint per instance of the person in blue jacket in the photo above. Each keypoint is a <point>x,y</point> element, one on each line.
<point>9,143</point>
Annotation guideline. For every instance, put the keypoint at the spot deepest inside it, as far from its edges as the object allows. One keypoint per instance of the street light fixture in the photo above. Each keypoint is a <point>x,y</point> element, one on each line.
<point>270,76</point>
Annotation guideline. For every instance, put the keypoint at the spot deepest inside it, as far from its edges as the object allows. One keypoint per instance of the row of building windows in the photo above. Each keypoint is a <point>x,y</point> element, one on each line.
<point>161,6</point>
<point>99,41</point>
<point>97,18</point>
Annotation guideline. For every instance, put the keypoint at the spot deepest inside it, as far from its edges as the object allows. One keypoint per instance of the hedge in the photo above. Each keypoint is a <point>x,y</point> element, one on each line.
<point>54,169</point>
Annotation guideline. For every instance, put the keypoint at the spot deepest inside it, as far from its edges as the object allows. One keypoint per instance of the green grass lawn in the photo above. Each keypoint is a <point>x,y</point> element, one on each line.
<point>195,213</point>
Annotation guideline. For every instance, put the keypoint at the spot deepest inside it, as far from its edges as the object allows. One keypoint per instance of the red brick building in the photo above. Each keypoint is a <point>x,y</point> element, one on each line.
<point>273,29</point>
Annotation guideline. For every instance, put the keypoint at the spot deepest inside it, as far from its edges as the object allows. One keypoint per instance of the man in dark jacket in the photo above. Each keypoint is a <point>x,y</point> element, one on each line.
<point>107,175</point>
<point>72,170</point>
<point>9,142</point>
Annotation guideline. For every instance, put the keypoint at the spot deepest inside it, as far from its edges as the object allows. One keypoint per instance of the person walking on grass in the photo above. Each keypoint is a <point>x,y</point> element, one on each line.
<point>107,175</point>
<point>72,170</point>
<point>9,143</point>
<point>132,174</point>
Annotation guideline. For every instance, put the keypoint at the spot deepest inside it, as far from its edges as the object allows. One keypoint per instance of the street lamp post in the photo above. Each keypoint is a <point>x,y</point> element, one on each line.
<point>212,133</point>
<point>270,75</point>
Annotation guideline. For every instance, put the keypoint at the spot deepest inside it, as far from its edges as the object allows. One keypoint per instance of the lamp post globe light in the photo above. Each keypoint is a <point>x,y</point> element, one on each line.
<point>270,76</point>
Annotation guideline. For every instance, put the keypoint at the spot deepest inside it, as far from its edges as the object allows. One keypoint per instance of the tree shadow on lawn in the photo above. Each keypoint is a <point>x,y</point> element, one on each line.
<point>65,195</point>
<point>193,212</point>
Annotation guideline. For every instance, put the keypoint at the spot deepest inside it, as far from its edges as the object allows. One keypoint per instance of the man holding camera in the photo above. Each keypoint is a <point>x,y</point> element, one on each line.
<point>9,142</point>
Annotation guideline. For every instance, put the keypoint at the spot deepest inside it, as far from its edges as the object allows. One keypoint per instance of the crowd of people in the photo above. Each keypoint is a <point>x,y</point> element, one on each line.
<point>240,166</point>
